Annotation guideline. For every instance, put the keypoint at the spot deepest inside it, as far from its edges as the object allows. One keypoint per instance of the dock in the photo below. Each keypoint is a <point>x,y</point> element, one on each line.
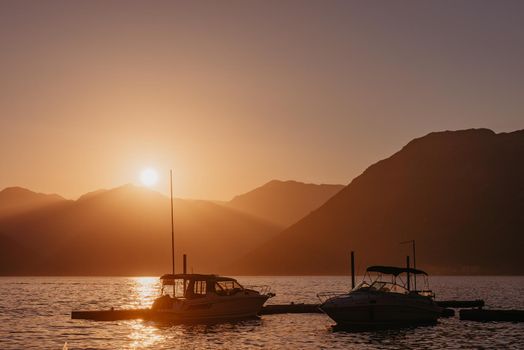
<point>301,308</point>
<point>130,314</point>
<point>292,308</point>
<point>455,304</point>
<point>487,315</point>
<point>271,309</point>
<point>112,314</point>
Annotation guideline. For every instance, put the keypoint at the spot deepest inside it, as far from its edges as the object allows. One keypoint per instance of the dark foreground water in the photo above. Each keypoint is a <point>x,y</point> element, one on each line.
<point>35,313</point>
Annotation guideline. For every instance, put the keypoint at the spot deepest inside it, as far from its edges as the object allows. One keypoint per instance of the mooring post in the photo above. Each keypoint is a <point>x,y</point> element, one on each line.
<point>414,260</point>
<point>352,269</point>
<point>184,269</point>
<point>414,265</point>
<point>407,265</point>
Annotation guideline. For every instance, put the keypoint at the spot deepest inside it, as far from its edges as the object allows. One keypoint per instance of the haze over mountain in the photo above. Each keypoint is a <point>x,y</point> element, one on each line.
<point>16,200</point>
<point>460,194</point>
<point>284,202</point>
<point>125,231</point>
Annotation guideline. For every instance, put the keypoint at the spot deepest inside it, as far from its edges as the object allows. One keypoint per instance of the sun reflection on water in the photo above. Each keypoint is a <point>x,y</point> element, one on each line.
<point>145,291</point>
<point>144,336</point>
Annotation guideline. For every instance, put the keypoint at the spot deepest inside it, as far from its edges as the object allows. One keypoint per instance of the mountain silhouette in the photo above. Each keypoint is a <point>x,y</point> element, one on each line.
<point>16,200</point>
<point>126,231</point>
<point>284,202</point>
<point>459,194</point>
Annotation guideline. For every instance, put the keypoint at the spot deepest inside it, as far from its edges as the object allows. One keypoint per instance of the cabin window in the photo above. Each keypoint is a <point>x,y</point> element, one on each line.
<point>199,287</point>
<point>179,288</point>
<point>169,286</point>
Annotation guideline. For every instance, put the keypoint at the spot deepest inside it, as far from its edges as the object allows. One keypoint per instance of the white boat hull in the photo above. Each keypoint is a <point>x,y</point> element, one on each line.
<point>213,308</point>
<point>381,309</point>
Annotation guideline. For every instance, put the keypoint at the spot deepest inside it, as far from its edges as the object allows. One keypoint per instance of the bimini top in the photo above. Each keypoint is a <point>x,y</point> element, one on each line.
<point>395,271</point>
<point>195,276</point>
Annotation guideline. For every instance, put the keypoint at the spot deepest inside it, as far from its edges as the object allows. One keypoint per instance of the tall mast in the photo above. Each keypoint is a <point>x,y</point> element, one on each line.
<point>172,226</point>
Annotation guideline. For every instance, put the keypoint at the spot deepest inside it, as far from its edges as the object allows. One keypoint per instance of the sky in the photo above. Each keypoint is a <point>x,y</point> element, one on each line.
<point>233,94</point>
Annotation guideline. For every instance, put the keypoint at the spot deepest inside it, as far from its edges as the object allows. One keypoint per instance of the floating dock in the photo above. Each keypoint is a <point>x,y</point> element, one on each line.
<point>112,315</point>
<point>274,309</point>
<point>486,315</point>
<point>290,309</point>
<point>455,304</point>
<point>294,308</point>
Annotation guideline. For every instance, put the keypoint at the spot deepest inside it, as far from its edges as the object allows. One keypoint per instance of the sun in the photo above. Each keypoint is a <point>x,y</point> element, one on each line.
<point>149,177</point>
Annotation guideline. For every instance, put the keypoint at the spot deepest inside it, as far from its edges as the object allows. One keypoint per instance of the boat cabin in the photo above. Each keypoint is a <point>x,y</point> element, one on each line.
<point>191,286</point>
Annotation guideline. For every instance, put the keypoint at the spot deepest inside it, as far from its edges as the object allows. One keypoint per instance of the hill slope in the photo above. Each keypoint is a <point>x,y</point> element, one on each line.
<point>460,194</point>
<point>284,202</point>
<point>16,200</point>
<point>126,231</point>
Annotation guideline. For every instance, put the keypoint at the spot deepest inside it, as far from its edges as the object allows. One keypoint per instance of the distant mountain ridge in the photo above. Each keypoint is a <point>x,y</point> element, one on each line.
<point>103,232</point>
<point>460,194</point>
<point>284,202</point>
<point>125,231</point>
<point>16,200</point>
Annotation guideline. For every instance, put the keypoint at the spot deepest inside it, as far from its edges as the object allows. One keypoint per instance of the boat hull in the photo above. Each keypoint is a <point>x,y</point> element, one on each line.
<point>215,309</point>
<point>381,309</point>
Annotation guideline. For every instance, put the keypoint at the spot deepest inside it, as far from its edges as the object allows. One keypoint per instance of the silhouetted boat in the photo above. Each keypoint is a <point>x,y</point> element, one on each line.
<point>381,303</point>
<point>196,297</point>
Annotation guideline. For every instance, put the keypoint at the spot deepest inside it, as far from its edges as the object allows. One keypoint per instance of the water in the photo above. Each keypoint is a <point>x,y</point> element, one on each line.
<point>35,313</point>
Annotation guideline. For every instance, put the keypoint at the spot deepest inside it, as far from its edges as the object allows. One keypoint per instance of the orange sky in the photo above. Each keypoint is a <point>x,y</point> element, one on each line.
<point>233,94</point>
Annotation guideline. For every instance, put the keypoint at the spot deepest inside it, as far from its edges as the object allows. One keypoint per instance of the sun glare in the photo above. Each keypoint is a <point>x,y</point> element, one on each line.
<point>149,177</point>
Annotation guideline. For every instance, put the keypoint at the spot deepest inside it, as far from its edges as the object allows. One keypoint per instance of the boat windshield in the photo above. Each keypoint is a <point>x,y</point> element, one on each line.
<point>361,285</point>
<point>381,286</point>
<point>227,287</point>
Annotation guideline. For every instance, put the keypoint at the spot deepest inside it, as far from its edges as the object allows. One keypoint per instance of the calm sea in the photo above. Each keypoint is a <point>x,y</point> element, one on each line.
<point>35,313</point>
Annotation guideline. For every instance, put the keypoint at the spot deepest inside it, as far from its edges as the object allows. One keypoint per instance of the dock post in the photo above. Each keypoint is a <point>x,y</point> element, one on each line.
<point>352,269</point>
<point>184,270</point>
<point>407,265</point>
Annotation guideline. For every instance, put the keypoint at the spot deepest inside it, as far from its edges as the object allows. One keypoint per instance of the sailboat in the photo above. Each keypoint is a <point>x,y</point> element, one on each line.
<point>204,297</point>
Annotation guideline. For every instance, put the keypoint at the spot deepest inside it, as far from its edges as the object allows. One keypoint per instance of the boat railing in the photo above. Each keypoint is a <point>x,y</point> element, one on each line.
<point>263,289</point>
<point>325,296</point>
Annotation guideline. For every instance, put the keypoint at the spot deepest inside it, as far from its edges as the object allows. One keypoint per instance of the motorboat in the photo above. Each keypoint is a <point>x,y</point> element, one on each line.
<point>379,301</point>
<point>199,297</point>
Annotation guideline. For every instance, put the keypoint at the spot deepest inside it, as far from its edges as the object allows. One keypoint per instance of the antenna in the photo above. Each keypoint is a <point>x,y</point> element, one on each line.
<point>414,260</point>
<point>172,226</point>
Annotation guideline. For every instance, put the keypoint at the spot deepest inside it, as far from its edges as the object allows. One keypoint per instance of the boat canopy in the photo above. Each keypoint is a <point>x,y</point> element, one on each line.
<point>196,277</point>
<point>395,271</point>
